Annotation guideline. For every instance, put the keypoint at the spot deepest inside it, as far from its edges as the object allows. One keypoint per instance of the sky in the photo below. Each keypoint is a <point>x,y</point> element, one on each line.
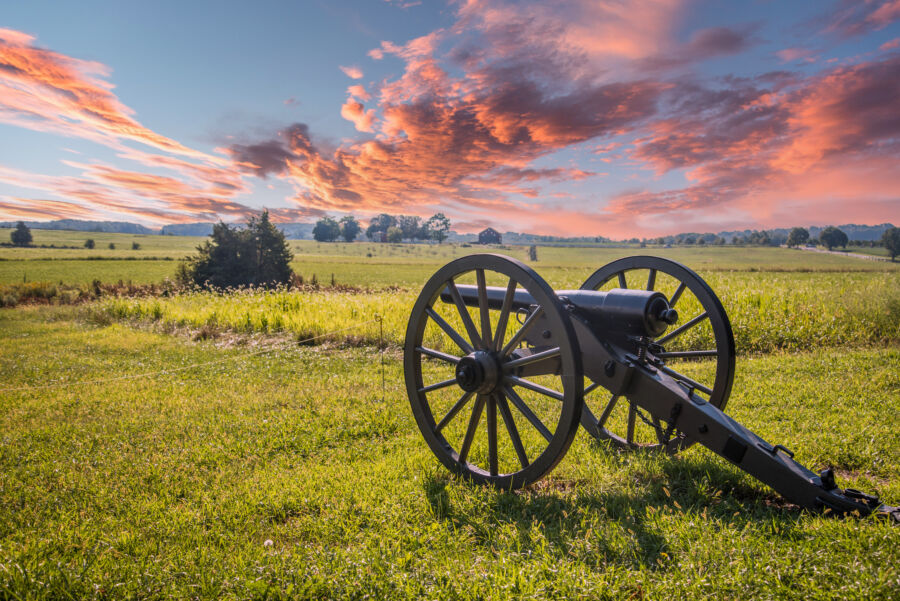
<point>614,118</point>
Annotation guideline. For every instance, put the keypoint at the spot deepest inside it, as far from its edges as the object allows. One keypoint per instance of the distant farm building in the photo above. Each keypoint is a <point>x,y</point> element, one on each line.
<point>490,236</point>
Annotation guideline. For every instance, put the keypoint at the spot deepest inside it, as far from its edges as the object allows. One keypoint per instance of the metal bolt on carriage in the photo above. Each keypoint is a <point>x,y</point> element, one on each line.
<point>642,355</point>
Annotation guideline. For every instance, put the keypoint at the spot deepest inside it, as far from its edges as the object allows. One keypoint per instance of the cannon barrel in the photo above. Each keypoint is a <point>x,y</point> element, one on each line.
<point>620,310</point>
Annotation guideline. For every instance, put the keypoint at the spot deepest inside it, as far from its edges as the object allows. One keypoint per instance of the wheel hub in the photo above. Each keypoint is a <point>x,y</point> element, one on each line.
<point>478,372</point>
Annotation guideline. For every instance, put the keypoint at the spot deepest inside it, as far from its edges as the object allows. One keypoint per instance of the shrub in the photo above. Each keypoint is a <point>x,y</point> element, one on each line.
<point>21,235</point>
<point>257,255</point>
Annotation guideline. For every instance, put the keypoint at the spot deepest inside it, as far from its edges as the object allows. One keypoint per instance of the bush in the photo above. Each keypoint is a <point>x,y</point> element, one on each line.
<point>135,246</point>
<point>21,236</point>
<point>89,243</point>
<point>257,255</point>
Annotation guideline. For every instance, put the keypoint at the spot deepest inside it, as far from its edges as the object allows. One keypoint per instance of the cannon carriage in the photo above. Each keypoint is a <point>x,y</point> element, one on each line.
<point>642,355</point>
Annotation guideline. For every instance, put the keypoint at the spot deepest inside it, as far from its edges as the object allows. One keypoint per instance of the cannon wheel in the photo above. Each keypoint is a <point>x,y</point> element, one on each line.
<point>642,271</point>
<point>537,421</point>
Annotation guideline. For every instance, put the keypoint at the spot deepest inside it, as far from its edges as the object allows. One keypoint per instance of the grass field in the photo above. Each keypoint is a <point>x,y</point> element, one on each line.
<point>187,447</point>
<point>284,474</point>
<point>373,265</point>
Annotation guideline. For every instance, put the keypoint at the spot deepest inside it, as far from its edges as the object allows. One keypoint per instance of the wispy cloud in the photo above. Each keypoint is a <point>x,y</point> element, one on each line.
<point>353,72</point>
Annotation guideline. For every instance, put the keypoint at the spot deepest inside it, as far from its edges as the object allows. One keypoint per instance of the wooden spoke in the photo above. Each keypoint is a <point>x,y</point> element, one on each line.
<point>685,379</point>
<point>492,434</point>
<point>438,355</point>
<point>473,427</point>
<point>682,329</point>
<point>463,311</point>
<point>512,430</point>
<point>505,310</point>
<point>651,279</point>
<point>677,294</point>
<point>591,388</point>
<point>483,309</point>
<point>454,410</point>
<point>448,329</point>
<point>528,413</point>
<point>687,354</point>
<point>438,385</point>
<point>548,354</point>
<point>607,410</point>
<point>517,338</point>
<point>622,282</point>
<point>535,387</point>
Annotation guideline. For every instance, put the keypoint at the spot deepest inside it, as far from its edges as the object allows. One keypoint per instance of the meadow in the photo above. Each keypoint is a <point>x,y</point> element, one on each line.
<point>187,446</point>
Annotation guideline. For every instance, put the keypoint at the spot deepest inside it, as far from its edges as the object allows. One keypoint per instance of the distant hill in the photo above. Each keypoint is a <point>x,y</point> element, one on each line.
<point>292,231</point>
<point>853,231</point>
<point>110,227</point>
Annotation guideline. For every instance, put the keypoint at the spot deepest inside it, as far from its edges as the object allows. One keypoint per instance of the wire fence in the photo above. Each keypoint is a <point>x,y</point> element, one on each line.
<point>293,345</point>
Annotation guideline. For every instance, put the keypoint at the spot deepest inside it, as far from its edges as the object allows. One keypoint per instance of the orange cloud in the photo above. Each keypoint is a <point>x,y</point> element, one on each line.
<point>356,113</point>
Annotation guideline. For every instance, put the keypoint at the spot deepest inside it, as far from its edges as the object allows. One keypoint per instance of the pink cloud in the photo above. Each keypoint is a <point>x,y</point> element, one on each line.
<point>353,72</point>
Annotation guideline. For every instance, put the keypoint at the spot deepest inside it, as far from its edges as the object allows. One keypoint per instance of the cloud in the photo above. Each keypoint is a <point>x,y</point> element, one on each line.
<point>47,91</point>
<point>356,113</point>
<point>854,17</point>
<point>353,72</point>
<point>819,142</point>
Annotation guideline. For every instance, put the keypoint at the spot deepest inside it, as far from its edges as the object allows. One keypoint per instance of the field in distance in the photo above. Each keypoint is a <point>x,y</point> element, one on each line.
<point>369,264</point>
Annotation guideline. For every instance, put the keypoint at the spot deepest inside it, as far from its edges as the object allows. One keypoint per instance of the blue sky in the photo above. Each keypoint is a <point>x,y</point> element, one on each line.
<point>612,118</point>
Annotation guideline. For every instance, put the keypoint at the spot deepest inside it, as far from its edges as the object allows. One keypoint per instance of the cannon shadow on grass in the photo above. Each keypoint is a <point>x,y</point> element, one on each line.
<point>700,486</point>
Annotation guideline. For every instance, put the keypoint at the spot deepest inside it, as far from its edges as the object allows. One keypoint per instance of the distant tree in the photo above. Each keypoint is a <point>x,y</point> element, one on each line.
<point>89,243</point>
<point>326,230</point>
<point>135,246</point>
<point>350,228</point>
<point>112,246</point>
<point>701,241</point>
<point>832,237</point>
<point>438,225</point>
<point>798,236</point>
<point>532,253</point>
<point>257,255</point>
<point>410,225</point>
<point>759,238</point>
<point>891,241</point>
<point>719,241</point>
<point>21,235</point>
<point>688,240</point>
<point>394,234</point>
<point>378,226</point>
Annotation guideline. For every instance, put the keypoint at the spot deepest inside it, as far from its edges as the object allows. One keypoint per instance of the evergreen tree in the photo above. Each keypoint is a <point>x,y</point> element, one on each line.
<point>21,236</point>
<point>257,255</point>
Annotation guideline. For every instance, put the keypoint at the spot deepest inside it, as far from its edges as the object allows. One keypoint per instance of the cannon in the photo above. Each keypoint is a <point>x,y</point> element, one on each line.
<point>642,355</point>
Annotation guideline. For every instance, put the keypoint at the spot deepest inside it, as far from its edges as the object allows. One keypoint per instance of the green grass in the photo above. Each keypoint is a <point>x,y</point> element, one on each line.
<point>374,265</point>
<point>768,311</point>
<point>170,485</point>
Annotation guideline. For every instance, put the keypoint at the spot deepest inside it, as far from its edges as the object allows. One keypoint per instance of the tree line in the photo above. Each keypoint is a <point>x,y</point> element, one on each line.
<point>384,228</point>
